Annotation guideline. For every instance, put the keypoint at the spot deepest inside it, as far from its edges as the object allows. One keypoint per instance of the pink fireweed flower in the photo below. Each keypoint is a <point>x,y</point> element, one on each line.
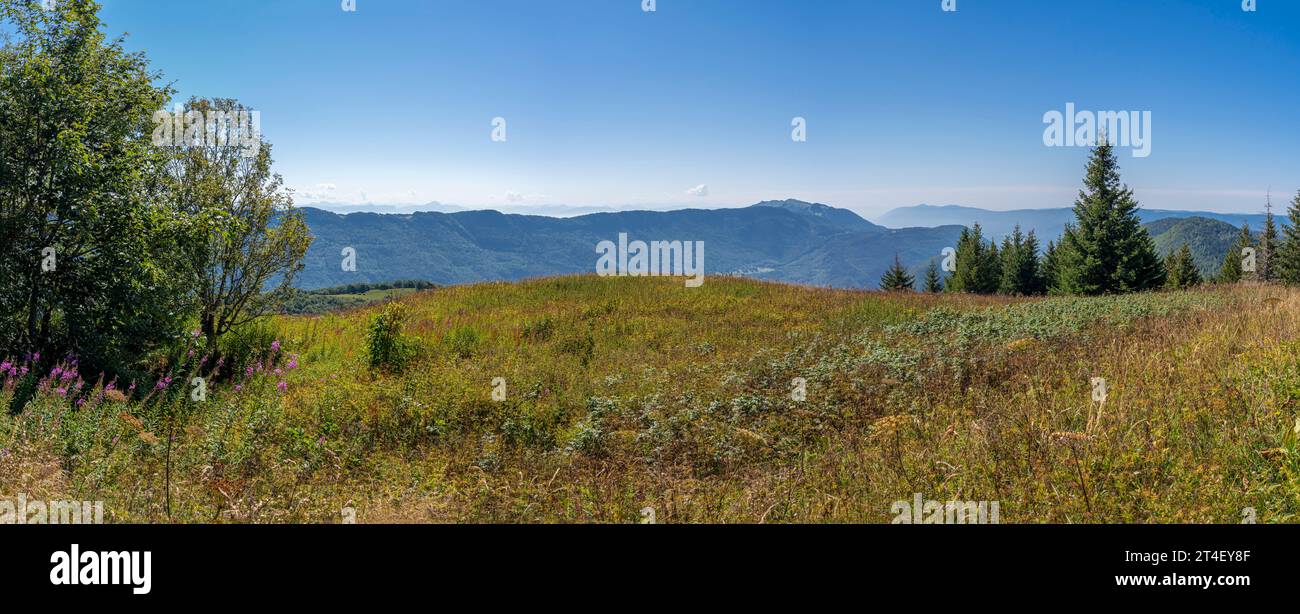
<point>248,371</point>
<point>275,346</point>
<point>239,387</point>
<point>63,392</point>
<point>282,386</point>
<point>278,371</point>
<point>293,363</point>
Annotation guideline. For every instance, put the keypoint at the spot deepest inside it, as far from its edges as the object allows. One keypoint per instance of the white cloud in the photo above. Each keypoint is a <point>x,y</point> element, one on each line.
<point>701,191</point>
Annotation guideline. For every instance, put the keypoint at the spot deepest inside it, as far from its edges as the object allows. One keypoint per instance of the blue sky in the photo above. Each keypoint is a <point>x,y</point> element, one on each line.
<point>608,105</point>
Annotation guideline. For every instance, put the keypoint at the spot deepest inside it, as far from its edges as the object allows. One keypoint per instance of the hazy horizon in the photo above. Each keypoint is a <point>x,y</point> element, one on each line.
<point>564,211</point>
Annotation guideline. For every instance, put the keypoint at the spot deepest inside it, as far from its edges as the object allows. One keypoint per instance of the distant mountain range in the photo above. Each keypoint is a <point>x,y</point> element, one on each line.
<point>523,209</point>
<point>1047,223</point>
<point>790,241</point>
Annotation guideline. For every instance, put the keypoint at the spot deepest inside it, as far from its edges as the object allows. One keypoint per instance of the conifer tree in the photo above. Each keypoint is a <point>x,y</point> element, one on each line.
<point>979,269</point>
<point>933,279</point>
<point>1031,268</point>
<point>1264,269</point>
<point>1181,269</point>
<point>1231,271</point>
<point>1010,255</point>
<point>1020,275</point>
<point>1286,260</point>
<point>897,279</point>
<point>1048,275</point>
<point>1107,250</point>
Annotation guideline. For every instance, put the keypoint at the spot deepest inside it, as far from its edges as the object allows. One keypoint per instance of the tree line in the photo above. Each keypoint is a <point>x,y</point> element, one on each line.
<point>113,245</point>
<point>1105,250</point>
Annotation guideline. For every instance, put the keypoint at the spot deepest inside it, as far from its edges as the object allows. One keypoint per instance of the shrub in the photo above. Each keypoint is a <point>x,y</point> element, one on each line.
<point>580,345</point>
<point>539,330</point>
<point>464,341</point>
<point>247,344</point>
<point>387,348</point>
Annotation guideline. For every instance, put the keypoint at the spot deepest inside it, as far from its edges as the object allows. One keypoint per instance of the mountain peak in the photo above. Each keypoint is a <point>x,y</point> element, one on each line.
<point>842,218</point>
<point>795,205</point>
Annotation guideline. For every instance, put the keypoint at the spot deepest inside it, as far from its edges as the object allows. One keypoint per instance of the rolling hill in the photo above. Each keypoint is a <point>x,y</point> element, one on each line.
<point>1209,239</point>
<point>1048,223</point>
<point>790,241</point>
<point>787,240</point>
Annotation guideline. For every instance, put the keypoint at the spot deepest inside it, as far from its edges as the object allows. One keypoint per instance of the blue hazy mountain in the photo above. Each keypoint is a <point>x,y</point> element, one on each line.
<point>788,240</point>
<point>1047,223</point>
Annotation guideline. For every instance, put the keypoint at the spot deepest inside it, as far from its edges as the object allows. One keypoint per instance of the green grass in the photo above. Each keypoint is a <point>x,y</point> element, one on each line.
<point>625,393</point>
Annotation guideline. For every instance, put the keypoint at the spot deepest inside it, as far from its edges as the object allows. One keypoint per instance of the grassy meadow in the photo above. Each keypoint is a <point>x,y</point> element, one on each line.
<point>627,393</point>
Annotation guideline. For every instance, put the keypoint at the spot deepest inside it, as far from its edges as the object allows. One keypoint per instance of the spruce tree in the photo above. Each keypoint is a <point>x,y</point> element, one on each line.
<point>1107,250</point>
<point>990,274</point>
<point>1286,260</point>
<point>1020,275</point>
<point>933,279</point>
<point>1181,268</point>
<point>1031,270</point>
<point>1010,282</point>
<point>897,278</point>
<point>1048,275</point>
<point>966,262</point>
<point>978,269</point>
<point>1264,269</point>
<point>1231,271</point>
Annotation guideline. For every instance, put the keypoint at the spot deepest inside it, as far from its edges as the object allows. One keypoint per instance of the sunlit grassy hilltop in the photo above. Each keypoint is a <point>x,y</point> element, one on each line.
<point>627,393</point>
